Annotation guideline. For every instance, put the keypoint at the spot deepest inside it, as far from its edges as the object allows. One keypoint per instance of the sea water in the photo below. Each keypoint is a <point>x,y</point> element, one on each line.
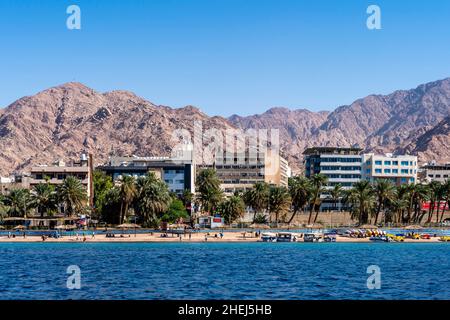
<point>224,270</point>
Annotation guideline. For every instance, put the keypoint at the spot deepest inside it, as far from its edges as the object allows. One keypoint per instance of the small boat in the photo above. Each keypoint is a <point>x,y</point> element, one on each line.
<point>313,237</point>
<point>329,238</point>
<point>381,239</point>
<point>286,237</point>
<point>268,237</point>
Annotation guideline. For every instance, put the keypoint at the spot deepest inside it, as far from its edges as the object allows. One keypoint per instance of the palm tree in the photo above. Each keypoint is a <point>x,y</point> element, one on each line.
<point>336,194</point>
<point>43,197</point>
<point>209,192</point>
<point>384,192</point>
<point>73,194</point>
<point>401,203</point>
<point>279,202</point>
<point>257,197</point>
<point>362,200</point>
<point>127,194</point>
<point>152,198</point>
<point>318,182</point>
<point>18,202</point>
<point>446,197</point>
<point>300,191</point>
<point>232,208</point>
<point>422,193</point>
<point>434,189</point>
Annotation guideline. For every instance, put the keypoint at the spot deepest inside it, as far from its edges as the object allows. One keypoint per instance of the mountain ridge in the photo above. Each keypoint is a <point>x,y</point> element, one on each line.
<point>65,120</point>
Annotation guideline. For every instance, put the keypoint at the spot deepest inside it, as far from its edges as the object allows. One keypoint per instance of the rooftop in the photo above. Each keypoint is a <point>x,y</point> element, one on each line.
<point>332,150</point>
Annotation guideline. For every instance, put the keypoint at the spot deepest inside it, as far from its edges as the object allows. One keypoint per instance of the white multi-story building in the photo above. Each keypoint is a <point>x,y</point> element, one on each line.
<point>400,169</point>
<point>434,172</point>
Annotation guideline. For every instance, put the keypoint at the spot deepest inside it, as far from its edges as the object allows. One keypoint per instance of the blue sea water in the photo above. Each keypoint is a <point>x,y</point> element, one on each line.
<point>224,270</point>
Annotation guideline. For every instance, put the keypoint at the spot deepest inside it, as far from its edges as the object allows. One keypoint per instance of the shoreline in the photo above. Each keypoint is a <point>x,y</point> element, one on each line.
<point>229,237</point>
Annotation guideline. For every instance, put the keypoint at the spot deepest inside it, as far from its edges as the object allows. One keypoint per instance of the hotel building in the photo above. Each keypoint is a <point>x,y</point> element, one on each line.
<point>240,171</point>
<point>434,172</point>
<point>177,174</point>
<point>341,165</point>
<point>400,169</point>
<point>57,172</point>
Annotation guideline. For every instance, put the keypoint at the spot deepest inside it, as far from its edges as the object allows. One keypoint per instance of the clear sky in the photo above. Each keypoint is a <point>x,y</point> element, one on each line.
<point>225,56</point>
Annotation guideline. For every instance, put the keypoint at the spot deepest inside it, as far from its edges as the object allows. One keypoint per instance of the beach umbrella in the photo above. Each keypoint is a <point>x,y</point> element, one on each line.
<point>368,226</point>
<point>314,226</point>
<point>413,227</point>
<point>259,226</point>
<point>2,227</point>
<point>128,226</point>
<point>19,227</point>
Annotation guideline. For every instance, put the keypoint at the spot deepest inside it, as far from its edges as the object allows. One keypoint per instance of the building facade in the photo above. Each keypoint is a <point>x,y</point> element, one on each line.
<point>346,166</point>
<point>400,169</point>
<point>434,172</point>
<point>340,165</point>
<point>178,175</point>
<point>241,171</point>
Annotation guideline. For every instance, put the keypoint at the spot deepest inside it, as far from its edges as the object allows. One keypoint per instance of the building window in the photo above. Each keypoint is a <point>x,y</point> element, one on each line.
<point>394,170</point>
<point>395,163</point>
<point>404,163</point>
<point>405,171</point>
<point>387,163</point>
<point>387,170</point>
<point>378,162</point>
<point>377,170</point>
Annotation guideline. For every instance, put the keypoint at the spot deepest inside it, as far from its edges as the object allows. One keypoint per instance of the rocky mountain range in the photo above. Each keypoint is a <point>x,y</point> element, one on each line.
<point>63,121</point>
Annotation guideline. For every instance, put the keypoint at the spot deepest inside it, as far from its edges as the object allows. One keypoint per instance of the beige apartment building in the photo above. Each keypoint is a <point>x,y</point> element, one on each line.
<point>243,171</point>
<point>400,169</point>
<point>55,174</point>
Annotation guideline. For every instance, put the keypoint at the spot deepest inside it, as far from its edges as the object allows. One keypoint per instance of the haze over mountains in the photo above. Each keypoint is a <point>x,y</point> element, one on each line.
<point>63,121</point>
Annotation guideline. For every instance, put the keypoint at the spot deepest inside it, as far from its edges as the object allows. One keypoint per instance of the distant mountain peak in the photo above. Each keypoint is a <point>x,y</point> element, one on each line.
<point>71,118</point>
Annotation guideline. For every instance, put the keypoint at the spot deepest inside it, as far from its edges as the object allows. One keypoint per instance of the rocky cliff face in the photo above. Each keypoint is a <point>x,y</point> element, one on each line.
<point>62,122</point>
<point>398,122</point>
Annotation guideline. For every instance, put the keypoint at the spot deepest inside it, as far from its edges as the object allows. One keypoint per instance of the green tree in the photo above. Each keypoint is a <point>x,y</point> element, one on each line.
<point>279,202</point>
<point>102,185</point>
<point>446,196</point>
<point>362,200</point>
<point>300,191</point>
<point>127,192</point>
<point>232,208</point>
<point>18,202</point>
<point>257,198</point>
<point>318,183</point>
<point>176,211</point>
<point>335,194</point>
<point>44,198</point>
<point>152,199</point>
<point>384,192</point>
<point>111,210</point>
<point>73,194</point>
<point>208,188</point>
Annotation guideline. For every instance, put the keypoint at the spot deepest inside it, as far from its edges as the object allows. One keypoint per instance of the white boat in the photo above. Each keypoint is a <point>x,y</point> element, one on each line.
<point>313,237</point>
<point>268,237</point>
<point>286,237</point>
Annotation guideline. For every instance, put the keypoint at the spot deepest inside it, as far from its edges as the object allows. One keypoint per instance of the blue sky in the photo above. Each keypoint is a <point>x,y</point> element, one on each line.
<point>225,56</point>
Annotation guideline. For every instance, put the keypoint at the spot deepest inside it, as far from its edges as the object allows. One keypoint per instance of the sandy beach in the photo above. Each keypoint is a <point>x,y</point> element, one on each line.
<point>237,236</point>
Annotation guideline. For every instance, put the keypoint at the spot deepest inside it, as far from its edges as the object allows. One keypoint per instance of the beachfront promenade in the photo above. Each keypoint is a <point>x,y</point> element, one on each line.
<point>229,236</point>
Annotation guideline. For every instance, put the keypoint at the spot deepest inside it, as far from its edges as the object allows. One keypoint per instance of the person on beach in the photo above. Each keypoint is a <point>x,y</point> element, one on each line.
<point>221,235</point>
<point>190,236</point>
<point>93,234</point>
<point>206,238</point>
